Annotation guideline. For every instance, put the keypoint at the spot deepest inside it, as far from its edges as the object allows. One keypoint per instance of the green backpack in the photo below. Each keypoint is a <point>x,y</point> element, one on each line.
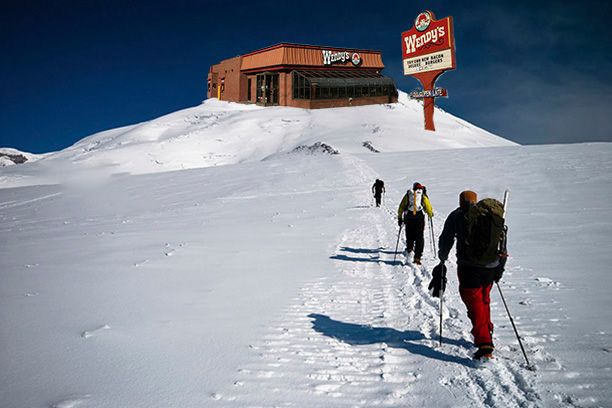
<point>486,232</point>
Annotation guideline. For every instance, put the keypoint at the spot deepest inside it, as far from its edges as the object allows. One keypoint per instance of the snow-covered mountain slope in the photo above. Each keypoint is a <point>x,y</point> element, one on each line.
<point>10,157</point>
<point>272,283</point>
<point>219,133</point>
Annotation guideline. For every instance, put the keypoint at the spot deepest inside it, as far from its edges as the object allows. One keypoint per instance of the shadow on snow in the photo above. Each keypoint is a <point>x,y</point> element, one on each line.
<point>373,255</point>
<point>379,250</point>
<point>358,334</point>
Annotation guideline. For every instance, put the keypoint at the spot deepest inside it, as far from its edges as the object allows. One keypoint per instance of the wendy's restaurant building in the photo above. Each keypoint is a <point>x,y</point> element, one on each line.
<point>303,76</point>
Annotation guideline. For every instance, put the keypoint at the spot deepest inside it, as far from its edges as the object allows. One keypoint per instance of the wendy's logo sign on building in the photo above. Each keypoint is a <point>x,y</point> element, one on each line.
<point>331,57</point>
<point>428,50</point>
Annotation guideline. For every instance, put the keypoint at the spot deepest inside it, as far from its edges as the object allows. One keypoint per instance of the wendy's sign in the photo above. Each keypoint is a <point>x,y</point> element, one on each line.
<point>428,49</point>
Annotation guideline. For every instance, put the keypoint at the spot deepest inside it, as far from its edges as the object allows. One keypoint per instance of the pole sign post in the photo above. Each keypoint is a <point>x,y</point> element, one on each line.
<point>428,50</point>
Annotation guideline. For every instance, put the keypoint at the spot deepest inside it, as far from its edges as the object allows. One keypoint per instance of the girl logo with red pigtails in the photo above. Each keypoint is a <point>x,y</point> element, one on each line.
<point>422,21</point>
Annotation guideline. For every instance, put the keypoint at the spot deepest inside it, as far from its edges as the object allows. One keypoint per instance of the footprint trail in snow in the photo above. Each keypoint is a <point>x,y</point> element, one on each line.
<point>371,338</point>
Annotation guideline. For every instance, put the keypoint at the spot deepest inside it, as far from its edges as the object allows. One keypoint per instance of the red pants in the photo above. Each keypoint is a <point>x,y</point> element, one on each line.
<point>475,287</point>
<point>477,301</point>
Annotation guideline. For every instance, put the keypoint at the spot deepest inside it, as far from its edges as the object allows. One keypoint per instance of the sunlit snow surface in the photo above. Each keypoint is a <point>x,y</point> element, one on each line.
<point>218,133</point>
<point>271,282</point>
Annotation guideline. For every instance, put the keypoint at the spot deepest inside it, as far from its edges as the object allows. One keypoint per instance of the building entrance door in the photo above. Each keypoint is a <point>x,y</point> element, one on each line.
<point>267,89</point>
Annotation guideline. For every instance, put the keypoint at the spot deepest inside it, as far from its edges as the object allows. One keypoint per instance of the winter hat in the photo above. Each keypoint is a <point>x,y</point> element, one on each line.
<point>466,198</point>
<point>418,186</point>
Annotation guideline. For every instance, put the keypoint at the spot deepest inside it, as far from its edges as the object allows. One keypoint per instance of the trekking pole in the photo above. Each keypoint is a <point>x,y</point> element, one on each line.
<point>433,237</point>
<point>441,304</point>
<point>397,243</point>
<point>514,327</point>
<point>506,194</point>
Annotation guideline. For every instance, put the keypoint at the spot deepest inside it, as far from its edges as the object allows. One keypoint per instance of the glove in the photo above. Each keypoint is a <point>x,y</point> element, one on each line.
<point>399,222</point>
<point>437,286</point>
<point>499,271</point>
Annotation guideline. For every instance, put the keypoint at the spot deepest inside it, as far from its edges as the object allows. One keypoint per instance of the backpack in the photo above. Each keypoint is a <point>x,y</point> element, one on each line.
<point>414,204</point>
<point>486,232</point>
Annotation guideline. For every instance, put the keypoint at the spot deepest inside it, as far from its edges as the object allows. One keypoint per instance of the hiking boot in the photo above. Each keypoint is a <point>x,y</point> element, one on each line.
<point>484,353</point>
<point>417,260</point>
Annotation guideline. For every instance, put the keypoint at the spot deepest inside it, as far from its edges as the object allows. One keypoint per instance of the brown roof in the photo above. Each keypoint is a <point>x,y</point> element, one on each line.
<point>304,55</point>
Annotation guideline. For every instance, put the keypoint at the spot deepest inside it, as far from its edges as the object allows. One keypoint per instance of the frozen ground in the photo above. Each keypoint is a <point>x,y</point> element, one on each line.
<point>271,283</point>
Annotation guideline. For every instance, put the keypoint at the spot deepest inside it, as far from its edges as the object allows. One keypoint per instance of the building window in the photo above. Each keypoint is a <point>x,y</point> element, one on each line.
<point>301,86</point>
<point>330,84</point>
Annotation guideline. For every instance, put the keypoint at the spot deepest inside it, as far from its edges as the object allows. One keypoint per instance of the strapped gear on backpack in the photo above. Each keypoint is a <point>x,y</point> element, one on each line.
<point>486,232</point>
<point>415,202</point>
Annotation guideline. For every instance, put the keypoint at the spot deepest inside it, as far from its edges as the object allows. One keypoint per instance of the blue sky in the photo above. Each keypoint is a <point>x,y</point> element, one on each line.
<point>531,71</point>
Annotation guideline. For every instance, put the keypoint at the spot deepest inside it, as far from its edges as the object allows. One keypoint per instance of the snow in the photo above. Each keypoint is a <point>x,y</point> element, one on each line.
<point>220,133</point>
<point>270,281</point>
<point>6,153</point>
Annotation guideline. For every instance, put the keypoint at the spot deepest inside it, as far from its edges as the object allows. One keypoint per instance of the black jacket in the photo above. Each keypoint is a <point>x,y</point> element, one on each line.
<point>378,187</point>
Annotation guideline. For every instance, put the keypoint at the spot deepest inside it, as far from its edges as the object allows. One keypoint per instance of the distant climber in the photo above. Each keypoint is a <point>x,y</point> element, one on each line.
<point>411,213</point>
<point>378,189</point>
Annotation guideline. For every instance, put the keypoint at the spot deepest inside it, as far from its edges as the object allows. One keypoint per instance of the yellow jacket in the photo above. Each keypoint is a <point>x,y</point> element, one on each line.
<point>404,206</point>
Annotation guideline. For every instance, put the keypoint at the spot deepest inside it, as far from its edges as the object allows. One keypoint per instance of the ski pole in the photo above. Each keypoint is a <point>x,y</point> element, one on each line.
<point>442,273</point>
<point>431,245</point>
<point>441,304</point>
<point>505,203</point>
<point>397,243</point>
<point>514,327</point>
<point>433,237</point>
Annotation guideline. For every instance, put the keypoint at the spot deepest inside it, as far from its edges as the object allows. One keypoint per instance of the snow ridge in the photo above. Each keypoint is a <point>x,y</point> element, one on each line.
<point>221,133</point>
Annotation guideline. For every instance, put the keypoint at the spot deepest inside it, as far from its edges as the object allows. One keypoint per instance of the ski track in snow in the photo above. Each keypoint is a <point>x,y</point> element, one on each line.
<point>11,204</point>
<point>370,338</point>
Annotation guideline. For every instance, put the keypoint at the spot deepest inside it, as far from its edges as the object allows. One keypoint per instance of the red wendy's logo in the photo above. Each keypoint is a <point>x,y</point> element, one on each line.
<point>422,21</point>
<point>355,59</point>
